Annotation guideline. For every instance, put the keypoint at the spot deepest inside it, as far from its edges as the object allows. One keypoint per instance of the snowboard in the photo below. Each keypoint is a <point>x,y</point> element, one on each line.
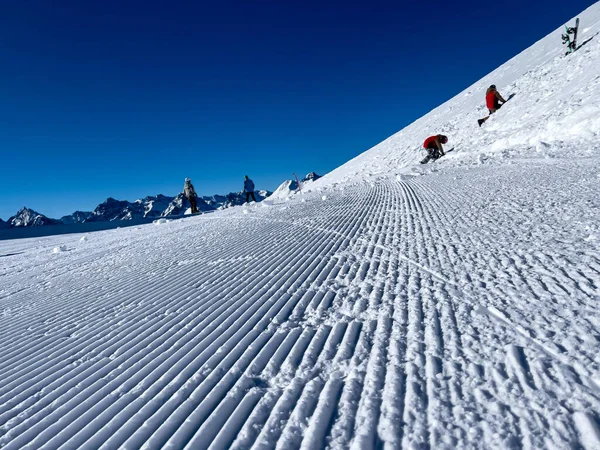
<point>571,43</point>
<point>437,156</point>
<point>433,157</point>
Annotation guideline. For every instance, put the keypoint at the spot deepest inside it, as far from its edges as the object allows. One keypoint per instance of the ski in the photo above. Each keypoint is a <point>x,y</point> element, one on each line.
<point>299,188</point>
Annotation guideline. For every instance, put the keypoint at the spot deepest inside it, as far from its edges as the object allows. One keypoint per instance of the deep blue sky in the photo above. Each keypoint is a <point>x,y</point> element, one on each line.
<point>127,98</point>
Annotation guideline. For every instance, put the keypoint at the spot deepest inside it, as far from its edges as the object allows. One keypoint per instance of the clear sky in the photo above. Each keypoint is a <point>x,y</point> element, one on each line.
<point>127,98</point>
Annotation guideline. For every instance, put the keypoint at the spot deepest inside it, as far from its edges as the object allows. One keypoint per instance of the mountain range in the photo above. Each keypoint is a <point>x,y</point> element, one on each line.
<point>154,206</point>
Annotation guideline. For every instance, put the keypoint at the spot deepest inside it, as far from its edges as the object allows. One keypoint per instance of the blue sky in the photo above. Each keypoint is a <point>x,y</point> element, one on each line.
<point>126,99</point>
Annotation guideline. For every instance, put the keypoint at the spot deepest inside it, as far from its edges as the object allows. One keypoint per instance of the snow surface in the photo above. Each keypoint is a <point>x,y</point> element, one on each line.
<point>284,192</point>
<point>451,305</point>
<point>289,188</point>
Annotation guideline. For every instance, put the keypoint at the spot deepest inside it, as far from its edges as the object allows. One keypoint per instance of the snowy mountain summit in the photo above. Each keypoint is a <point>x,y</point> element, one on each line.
<point>312,176</point>
<point>394,305</point>
<point>76,217</point>
<point>26,217</point>
<point>112,209</point>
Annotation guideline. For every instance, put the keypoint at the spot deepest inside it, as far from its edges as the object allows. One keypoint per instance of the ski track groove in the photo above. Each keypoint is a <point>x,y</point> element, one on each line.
<point>401,331</point>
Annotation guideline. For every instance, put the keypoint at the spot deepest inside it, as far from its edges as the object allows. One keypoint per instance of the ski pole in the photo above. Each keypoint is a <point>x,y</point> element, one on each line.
<point>297,182</point>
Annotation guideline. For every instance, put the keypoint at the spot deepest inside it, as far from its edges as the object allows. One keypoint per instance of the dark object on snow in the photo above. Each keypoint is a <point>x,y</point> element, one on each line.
<point>248,184</point>
<point>249,189</point>
<point>566,38</point>
<point>190,193</point>
<point>436,155</point>
<point>586,41</point>
<point>194,205</point>
<point>432,155</point>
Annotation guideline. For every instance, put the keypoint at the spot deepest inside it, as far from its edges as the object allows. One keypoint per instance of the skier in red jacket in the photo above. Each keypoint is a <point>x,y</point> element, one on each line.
<point>433,145</point>
<point>492,101</point>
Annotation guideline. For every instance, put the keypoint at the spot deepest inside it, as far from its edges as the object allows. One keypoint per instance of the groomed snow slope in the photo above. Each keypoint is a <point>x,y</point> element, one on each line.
<point>453,305</point>
<point>555,102</point>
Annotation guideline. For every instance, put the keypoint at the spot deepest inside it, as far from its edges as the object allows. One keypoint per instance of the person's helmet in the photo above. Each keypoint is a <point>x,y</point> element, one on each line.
<point>187,180</point>
<point>246,177</point>
<point>493,86</point>
<point>443,139</point>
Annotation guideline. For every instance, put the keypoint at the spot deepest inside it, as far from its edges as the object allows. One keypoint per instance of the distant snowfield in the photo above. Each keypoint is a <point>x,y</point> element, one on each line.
<point>388,305</point>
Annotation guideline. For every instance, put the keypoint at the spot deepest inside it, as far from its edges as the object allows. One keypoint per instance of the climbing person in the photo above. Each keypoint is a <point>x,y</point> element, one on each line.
<point>433,145</point>
<point>249,189</point>
<point>190,193</point>
<point>492,101</point>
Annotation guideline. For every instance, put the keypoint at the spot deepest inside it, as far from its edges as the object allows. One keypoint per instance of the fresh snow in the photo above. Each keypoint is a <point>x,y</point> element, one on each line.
<point>449,305</point>
<point>289,188</point>
<point>284,192</point>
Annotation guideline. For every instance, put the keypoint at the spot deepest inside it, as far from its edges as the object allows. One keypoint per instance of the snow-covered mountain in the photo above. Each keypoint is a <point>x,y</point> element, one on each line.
<point>154,205</point>
<point>4,224</point>
<point>180,204</point>
<point>312,176</point>
<point>393,305</point>
<point>112,209</point>
<point>290,187</point>
<point>285,190</point>
<point>26,217</point>
<point>148,207</point>
<point>232,199</point>
<point>76,217</point>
